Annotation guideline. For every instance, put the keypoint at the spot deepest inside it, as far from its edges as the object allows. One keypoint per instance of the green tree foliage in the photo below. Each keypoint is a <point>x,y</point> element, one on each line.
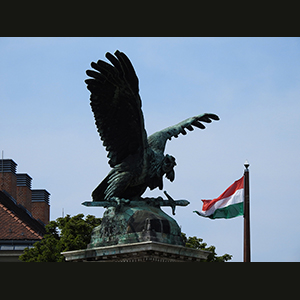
<point>64,234</point>
<point>197,243</point>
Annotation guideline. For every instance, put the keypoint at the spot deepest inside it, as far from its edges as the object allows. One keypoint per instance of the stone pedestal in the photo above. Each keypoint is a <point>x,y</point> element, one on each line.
<point>149,251</point>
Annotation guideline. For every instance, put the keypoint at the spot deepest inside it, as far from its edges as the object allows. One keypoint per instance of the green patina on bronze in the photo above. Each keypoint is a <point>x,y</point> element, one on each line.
<point>131,223</point>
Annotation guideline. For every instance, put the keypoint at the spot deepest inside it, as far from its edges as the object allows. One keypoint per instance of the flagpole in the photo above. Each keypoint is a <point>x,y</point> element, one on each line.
<point>246,214</point>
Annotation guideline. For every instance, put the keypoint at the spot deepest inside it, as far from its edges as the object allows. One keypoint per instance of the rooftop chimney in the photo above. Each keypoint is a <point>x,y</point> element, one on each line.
<point>8,178</point>
<point>24,190</point>
<point>40,205</point>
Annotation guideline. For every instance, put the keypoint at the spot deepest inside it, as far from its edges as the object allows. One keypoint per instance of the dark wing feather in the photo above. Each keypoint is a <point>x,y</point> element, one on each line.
<point>157,141</point>
<point>116,105</point>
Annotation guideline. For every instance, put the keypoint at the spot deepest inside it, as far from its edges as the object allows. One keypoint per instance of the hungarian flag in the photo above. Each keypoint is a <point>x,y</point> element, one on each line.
<point>228,205</point>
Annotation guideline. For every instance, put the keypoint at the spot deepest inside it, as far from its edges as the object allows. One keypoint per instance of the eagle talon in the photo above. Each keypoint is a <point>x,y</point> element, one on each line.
<point>119,202</point>
<point>172,202</point>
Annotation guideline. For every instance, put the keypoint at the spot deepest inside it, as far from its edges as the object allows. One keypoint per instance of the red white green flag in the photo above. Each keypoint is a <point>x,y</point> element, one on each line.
<point>228,205</point>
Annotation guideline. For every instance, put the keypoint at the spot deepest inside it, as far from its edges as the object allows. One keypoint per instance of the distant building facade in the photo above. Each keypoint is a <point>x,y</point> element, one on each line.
<point>24,212</point>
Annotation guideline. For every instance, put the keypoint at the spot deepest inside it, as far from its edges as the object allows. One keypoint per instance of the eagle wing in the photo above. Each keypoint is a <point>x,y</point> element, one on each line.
<point>116,105</point>
<point>157,141</point>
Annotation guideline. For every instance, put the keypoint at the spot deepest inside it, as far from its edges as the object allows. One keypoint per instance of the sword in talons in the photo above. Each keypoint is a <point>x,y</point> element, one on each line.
<point>170,202</point>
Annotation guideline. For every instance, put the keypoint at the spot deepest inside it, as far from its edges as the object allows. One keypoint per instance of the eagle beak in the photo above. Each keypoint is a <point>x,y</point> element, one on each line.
<point>171,175</point>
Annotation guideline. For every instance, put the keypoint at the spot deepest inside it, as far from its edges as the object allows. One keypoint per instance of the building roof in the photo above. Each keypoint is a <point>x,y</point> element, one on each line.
<point>16,223</point>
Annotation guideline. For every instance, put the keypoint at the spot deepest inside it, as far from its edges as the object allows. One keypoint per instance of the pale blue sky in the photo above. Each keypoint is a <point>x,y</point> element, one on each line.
<point>47,127</point>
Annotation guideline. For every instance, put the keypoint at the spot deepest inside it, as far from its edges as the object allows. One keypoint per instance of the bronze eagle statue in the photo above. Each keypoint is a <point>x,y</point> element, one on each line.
<point>137,161</point>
